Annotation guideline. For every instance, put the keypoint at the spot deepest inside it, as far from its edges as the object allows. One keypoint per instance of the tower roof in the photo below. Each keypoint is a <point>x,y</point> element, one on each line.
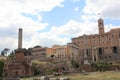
<point>100,19</point>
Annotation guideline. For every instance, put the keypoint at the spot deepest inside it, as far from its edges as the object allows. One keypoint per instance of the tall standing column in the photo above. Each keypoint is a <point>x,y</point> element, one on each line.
<point>20,38</point>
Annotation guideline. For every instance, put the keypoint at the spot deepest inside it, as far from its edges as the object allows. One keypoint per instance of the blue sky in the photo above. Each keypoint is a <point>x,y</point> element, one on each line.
<point>49,22</point>
<point>61,15</point>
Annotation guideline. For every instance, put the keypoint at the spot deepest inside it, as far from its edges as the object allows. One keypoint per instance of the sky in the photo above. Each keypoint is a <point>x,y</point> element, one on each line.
<point>50,22</point>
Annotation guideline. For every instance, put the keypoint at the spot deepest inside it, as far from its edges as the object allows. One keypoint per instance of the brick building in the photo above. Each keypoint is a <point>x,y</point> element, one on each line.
<point>73,52</point>
<point>60,51</point>
<point>50,52</point>
<point>18,67</point>
<point>38,53</point>
<point>104,46</point>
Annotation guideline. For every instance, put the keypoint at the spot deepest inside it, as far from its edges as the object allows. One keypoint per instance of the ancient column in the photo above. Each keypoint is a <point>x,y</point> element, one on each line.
<point>20,39</point>
<point>19,53</point>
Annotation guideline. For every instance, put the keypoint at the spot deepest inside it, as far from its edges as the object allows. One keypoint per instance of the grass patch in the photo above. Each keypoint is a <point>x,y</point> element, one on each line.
<point>108,75</point>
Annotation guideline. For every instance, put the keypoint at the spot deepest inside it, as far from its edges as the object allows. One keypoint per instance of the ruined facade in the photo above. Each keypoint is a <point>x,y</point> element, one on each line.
<point>38,53</point>
<point>60,51</point>
<point>104,46</point>
<point>50,52</point>
<point>20,66</point>
<point>73,52</point>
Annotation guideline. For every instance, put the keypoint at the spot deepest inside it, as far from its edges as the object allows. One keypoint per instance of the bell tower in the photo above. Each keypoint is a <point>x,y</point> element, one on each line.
<point>101,26</point>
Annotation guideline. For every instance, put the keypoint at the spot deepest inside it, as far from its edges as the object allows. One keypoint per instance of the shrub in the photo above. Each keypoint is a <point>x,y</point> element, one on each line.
<point>1,67</point>
<point>100,66</point>
<point>74,64</point>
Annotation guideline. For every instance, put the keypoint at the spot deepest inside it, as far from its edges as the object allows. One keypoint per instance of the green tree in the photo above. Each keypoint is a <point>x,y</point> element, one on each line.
<point>100,66</point>
<point>52,55</point>
<point>2,53</point>
<point>11,55</point>
<point>29,51</point>
<point>1,67</point>
<point>35,69</point>
<point>94,65</point>
<point>25,51</point>
<point>6,50</point>
<point>74,64</point>
<point>37,46</point>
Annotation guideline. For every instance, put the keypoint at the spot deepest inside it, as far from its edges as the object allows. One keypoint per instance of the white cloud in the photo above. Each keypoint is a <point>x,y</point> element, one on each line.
<point>74,28</point>
<point>89,18</point>
<point>8,42</point>
<point>47,39</point>
<point>108,27</point>
<point>11,18</point>
<point>56,35</point>
<point>76,0</point>
<point>107,8</point>
<point>76,8</point>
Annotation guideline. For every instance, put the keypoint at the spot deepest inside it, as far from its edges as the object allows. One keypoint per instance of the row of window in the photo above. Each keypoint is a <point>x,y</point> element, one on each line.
<point>100,39</point>
<point>94,42</point>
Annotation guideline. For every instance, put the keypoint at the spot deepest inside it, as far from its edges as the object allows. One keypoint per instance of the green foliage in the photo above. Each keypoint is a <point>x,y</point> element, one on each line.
<point>50,71</point>
<point>52,55</point>
<point>36,71</point>
<point>11,56</point>
<point>37,46</point>
<point>5,51</point>
<point>74,64</point>
<point>27,51</point>
<point>1,67</point>
<point>2,53</point>
<point>55,69</point>
<point>100,66</point>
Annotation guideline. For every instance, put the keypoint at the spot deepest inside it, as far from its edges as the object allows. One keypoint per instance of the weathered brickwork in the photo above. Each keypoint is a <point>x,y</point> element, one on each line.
<point>103,46</point>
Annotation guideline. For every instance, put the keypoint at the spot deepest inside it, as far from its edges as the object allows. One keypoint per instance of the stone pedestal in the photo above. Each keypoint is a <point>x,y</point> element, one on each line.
<point>19,55</point>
